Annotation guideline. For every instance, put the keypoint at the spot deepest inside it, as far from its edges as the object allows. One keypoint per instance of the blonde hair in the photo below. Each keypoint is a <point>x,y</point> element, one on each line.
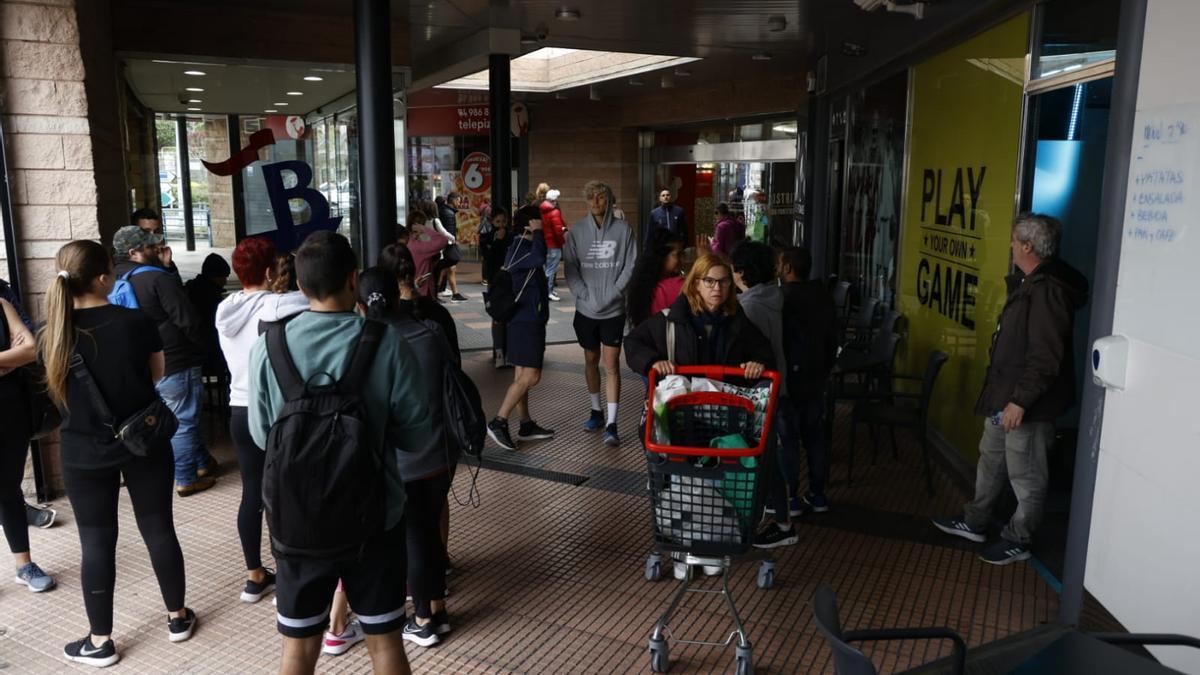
<point>596,186</point>
<point>700,269</point>
<point>542,189</point>
<point>83,261</point>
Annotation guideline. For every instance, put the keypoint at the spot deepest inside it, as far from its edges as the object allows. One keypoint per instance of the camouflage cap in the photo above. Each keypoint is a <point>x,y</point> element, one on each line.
<point>132,237</point>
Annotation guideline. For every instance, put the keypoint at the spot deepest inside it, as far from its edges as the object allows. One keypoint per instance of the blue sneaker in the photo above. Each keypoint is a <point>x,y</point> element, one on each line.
<point>1004,552</point>
<point>32,576</point>
<point>959,528</point>
<point>815,503</point>
<point>610,435</point>
<point>595,422</point>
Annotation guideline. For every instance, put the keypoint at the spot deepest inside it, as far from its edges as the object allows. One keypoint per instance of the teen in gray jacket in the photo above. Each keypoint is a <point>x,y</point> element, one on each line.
<point>599,257</point>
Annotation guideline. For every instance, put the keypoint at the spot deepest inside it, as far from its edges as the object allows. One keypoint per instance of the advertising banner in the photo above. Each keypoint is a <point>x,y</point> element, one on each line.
<point>960,196</point>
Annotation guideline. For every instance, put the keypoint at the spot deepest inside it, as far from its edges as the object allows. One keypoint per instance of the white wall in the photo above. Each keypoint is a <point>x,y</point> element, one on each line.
<point>1144,556</point>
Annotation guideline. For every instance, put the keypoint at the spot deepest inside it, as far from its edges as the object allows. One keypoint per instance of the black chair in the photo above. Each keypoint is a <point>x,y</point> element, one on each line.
<point>893,409</point>
<point>841,297</point>
<point>871,371</point>
<point>849,661</point>
<point>857,329</point>
<point>888,323</point>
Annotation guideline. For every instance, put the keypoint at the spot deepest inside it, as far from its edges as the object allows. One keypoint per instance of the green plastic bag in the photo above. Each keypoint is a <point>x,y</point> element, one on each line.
<point>738,487</point>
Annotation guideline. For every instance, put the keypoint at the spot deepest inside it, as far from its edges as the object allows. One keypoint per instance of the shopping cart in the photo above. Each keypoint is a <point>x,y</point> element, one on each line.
<point>705,502</point>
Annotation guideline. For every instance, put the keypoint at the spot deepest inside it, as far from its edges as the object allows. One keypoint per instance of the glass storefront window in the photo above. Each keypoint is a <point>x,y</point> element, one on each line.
<point>1076,34</point>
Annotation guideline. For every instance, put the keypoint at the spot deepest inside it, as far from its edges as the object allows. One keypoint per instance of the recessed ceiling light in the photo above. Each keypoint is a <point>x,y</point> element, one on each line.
<point>762,56</point>
<point>193,72</point>
<point>567,14</point>
<point>194,89</point>
<point>270,110</point>
<point>295,93</point>
<point>280,103</point>
<point>194,100</point>
<point>312,78</point>
<point>193,109</point>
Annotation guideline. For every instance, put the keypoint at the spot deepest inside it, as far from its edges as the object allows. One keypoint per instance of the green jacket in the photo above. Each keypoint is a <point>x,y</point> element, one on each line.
<point>321,343</point>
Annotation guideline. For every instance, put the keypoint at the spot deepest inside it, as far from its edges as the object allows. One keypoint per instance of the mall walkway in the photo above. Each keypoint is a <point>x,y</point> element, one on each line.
<point>549,569</point>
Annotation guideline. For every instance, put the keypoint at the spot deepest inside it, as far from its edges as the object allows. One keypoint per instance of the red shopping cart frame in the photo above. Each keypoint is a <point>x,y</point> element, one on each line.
<point>719,373</point>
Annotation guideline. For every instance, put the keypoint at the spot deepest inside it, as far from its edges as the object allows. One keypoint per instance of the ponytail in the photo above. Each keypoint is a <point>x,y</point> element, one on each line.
<point>79,263</point>
<point>379,292</point>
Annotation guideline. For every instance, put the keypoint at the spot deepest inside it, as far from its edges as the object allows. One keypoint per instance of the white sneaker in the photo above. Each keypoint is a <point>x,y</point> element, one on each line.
<point>446,293</point>
<point>554,297</point>
<point>335,645</point>
<point>680,571</point>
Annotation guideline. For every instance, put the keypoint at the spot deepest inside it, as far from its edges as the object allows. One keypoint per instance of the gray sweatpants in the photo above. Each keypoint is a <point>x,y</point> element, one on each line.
<point>1017,457</point>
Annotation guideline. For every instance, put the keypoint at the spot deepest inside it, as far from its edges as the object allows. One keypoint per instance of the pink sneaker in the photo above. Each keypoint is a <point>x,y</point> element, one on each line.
<point>340,644</point>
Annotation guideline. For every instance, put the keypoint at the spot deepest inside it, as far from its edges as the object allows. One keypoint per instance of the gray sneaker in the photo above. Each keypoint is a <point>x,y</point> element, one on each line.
<point>34,578</point>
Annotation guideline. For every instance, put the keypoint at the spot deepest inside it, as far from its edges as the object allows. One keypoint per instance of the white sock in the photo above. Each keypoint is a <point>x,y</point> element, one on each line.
<point>612,413</point>
<point>595,399</point>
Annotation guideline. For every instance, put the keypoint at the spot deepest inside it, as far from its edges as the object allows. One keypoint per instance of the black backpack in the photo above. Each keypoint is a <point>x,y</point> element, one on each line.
<point>462,408</point>
<point>324,485</point>
<point>809,347</point>
<point>500,301</point>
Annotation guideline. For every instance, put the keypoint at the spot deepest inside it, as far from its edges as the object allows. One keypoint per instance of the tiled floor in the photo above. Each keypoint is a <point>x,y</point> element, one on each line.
<point>550,571</point>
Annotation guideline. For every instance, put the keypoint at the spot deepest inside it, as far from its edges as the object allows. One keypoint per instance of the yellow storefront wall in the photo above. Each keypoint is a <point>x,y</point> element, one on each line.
<point>962,180</point>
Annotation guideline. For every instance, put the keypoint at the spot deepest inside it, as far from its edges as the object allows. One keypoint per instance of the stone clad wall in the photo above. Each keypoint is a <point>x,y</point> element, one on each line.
<point>49,146</point>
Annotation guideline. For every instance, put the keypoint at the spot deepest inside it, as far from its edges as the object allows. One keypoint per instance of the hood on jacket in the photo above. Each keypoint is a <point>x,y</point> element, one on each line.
<point>242,308</point>
<point>770,296</point>
<point>1063,275</point>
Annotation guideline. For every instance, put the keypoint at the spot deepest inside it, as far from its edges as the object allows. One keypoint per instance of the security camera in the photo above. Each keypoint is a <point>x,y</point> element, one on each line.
<point>184,97</point>
<point>542,32</point>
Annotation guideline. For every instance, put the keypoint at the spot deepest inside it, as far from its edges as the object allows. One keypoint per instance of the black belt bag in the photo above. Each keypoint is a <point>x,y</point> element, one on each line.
<point>140,433</point>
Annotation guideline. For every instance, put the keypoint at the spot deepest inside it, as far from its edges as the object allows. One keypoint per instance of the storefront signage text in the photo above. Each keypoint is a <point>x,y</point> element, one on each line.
<point>948,270</point>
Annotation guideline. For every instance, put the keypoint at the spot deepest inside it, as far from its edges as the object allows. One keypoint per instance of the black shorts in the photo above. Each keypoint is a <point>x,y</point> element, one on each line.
<point>525,344</point>
<point>592,333</point>
<point>374,588</point>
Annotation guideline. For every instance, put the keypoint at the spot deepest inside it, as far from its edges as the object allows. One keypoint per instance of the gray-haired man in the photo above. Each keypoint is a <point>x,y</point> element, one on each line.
<point>1030,382</point>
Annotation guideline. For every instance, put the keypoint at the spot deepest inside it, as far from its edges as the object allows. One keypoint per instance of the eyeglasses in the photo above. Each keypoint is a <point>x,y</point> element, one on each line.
<point>710,282</point>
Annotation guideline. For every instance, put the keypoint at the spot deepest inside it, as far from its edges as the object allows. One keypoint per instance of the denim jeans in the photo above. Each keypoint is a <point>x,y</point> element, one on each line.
<point>182,392</point>
<point>802,422</point>
<point>1017,457</point>
<point>553,257</point>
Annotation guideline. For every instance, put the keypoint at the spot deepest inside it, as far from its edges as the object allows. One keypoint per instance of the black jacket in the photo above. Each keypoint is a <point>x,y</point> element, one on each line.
<point>647,344</point>
<point>1031,360</point>
<point>808,307</point>
<point>184,332</point>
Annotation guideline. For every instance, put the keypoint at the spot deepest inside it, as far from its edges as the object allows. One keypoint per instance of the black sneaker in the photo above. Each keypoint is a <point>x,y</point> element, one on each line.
<point>39,516</point>
<point>458,297</point>
<point>815,503</point>
<point>82,651</point>
<point>611,438</point>
<point>1004,552</point>
<point>959,528</point>
<point>530,431</point>
<point>774,536</point>
<point>179,630</point>
<point>415,633</point>
<point>441,622</point>
<point>498,430</point>
<point>254,591</point>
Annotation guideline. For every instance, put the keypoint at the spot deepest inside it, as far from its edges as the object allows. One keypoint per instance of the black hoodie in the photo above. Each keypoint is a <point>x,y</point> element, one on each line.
<point>185,335</point>
<point>1031,360</point>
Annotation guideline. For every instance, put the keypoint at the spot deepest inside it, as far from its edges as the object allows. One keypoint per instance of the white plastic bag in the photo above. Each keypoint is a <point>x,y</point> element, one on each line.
<point>664,390</point>
<point>692,510</point>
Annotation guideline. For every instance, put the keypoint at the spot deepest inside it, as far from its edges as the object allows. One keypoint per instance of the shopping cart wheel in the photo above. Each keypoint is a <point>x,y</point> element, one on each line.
<point>745,661</point>
<point>660,657</point>
<point>766,574</point>
<point>653,567</point>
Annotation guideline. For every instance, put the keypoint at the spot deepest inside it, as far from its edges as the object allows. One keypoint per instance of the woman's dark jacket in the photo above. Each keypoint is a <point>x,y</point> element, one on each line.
<point>741,341</point>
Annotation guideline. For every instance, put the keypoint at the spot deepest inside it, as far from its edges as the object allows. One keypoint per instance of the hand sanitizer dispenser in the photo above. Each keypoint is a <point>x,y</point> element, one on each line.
<point>1110,359</point>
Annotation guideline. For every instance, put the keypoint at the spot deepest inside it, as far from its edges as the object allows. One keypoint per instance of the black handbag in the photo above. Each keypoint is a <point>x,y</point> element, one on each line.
<point>147,429</point>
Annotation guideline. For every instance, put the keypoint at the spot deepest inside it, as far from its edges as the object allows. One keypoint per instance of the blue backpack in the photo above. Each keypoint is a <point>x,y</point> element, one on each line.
<point>122,292</point>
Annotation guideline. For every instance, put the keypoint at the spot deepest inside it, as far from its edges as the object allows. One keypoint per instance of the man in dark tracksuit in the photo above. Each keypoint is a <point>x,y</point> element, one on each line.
<point>1030,382</point>
<point>185,345</point>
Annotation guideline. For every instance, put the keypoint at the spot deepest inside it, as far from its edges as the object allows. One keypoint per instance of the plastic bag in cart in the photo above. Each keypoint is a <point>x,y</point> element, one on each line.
<point>759,395</point>
<point>693,510</point>
<point>664,390</point>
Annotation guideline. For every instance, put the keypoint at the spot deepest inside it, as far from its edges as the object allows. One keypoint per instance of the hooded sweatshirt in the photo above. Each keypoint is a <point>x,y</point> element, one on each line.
<point>763,305</point>
<point>237,329</point>
<point>599,262</point>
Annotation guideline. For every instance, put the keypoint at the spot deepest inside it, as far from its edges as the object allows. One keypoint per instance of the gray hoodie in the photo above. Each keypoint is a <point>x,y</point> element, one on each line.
<point>763,305</point>
<point>599,262</point>
<point>237,328</point>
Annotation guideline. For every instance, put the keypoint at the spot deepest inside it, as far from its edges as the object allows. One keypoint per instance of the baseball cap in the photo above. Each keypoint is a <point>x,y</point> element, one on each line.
<point>130,237</point>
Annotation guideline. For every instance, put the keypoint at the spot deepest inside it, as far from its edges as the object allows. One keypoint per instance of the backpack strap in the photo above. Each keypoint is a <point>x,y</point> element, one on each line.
<point>364,353</point>
<point>80,372</point>
<point>670,335</point>
<point>138,270</point>
<point>286,373</point>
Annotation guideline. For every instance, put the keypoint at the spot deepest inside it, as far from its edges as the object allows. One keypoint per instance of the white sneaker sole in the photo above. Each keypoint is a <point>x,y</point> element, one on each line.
<point>340,649</point>
<point>94,661</point>
<point>1008,561</point>
<point>535,437</point>
<point>44,509</point>
<point>497,441</point>
<point>251,598</point>
<point>181,637</point>
<point>787,541</point>
<point>970,536</point>
<point>420,641</point>
<point>22,582</point>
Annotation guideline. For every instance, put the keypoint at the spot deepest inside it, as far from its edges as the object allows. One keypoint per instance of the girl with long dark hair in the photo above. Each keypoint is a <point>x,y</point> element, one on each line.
<point>656,280</point>
<point>122,351</point>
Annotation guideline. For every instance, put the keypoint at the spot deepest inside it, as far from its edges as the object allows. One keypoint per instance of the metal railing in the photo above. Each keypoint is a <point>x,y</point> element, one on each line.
<point>173,227</point>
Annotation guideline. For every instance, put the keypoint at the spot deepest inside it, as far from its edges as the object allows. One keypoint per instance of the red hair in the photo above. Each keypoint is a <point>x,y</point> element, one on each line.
<point>251,260</point>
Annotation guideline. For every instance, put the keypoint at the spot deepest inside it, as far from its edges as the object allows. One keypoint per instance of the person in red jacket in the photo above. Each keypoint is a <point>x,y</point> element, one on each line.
<point>555,231</point>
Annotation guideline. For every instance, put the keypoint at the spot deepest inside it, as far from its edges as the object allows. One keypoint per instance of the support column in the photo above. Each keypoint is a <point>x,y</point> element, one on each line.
<point>185,182</point>
<point>500,108</point>
<point>239,203</point>
<point>376,141</point>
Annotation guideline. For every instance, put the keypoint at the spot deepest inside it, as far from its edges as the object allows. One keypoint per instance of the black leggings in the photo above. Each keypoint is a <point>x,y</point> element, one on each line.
<point>250,512</point>
<point>424,501</point>
<point>13,448</point>
<point>93,494</point>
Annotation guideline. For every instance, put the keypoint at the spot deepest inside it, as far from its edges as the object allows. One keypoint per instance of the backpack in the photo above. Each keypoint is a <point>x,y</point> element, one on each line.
<point>500,302</point>
<point>323,483</point>
<point>809,354</point>
<point>122,293</point>
<point>462,409</point>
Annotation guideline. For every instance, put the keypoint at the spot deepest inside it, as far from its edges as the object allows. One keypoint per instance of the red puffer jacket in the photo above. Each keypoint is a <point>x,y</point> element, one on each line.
<point>552,225</point>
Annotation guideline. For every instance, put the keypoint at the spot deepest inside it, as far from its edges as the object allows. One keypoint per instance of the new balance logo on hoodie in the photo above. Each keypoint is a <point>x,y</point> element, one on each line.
<point>600,250</point>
